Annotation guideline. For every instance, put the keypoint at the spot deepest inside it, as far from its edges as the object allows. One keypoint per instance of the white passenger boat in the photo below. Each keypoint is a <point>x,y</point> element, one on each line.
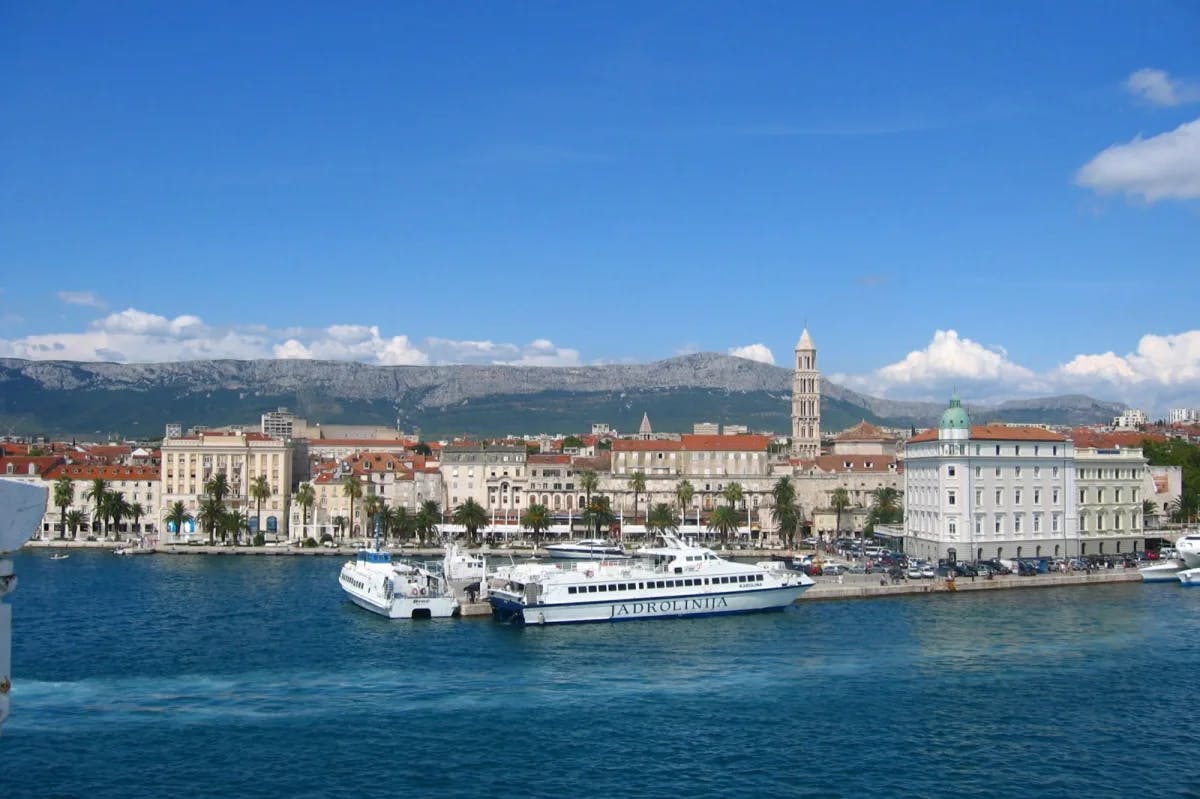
<point>1188,547</point>
<point>673,580</point>
<point>1190,577</point>
<point>1162,572</point>
<point>587,549</point>
<point>396,589</point>
<point>462,566</point>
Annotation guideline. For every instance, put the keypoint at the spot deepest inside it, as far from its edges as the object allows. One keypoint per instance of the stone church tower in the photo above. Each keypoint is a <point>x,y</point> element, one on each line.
<point>806,401</point>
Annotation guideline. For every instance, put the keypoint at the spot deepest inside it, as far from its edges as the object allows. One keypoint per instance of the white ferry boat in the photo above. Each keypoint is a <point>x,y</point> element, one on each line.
<point>1163,571</point>
<point>1190,577</point>
<point>1188,548</point>
<point>395,589</point>
<point>670,581</point>
<point>587,549</point>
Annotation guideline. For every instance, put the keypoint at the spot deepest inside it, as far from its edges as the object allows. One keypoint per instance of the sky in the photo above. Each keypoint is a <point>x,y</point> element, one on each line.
<point>998,199</point>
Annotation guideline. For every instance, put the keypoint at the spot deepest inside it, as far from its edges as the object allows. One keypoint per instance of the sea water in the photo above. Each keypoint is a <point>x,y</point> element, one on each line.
<point>159,676</point>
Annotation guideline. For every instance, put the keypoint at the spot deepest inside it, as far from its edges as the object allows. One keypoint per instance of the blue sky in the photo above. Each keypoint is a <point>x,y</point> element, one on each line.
<point>1002,198</point>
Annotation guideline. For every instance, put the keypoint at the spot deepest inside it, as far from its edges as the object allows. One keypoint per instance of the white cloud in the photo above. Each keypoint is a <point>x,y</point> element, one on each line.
<point>1166,166</point>
<point>1155,86</point>
<point>86,298</point>
<point>1163,372</point>
<point>951,357</point>
<point>754,352</point>
<point>136,336</point>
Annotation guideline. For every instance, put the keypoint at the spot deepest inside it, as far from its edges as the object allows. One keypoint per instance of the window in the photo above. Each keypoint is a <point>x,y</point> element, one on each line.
<point>1083,496</point>
<point>979,471</point>
<point>1054,523</point>
<point>1054,496</point>
<point>998,525</point>
<point>999,497</point>
<point>1099,494</point>
<point>1017,497</point>
<point>997,471</point>
<point>1037,496</point>
<point>1054,472</point>
<point>1017,523</point>
<point>1017,471</point>
<point>979,496</point>
<point>1117,495</point>
<point>978,525</point>
<point>952,528</point>
<point>1017,450</point>
<point>949,471</point>
<point>1037,470</point>
<point>950,498</point>
<point>1037,522</point>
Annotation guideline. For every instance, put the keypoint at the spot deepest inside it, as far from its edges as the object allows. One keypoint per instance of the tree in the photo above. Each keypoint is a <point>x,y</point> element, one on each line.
<point>588,482</point>
<point>662,518</point>
<point>401,522</point>
<point>64,495</point>
<point>339,524</point>
<point>114,508</point>
<point>724,521</point>
<point>733,494</point>
<point>95,494</point>
<point>234,522</point>
<point>536,519</point>
<point>637,482</point>
<point>885,507</point>
<point>75,520</point>
<point>136,511</point>
<point>598,514</point>
<point>305,498</point>
<point>472,516</point>
<point>684,492</point>
<point>785,512</point>
<point>260,490</point>
<point>352,487</point>
<point>1149,513</point>
<point>839,500</point>
<point>428,519</point>
<point>372,504</point>
<point>210,516</point>
<point>218,487</point>
<point>177,516</point>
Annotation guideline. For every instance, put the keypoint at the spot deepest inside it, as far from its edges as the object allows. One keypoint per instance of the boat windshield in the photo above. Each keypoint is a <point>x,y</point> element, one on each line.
<point>369,556</point>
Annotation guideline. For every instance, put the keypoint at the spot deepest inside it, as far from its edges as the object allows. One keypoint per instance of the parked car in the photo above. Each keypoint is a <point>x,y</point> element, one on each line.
<point>834,569</point>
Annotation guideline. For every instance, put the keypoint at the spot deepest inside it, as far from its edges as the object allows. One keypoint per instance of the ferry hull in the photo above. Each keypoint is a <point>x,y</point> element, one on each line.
<point>408,607</point>
<point>670,607</point>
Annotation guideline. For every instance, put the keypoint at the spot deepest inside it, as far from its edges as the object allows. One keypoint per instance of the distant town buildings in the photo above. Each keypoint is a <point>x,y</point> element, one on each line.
<point>1131,419</point>
<point>1183,415</point>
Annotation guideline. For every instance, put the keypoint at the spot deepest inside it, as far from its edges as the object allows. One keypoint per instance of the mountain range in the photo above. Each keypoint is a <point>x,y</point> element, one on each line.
<point>137,400</point>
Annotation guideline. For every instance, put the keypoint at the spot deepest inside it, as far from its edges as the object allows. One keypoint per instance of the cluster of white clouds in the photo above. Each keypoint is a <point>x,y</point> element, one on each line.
<point>134,336</point>
<point>1163,371</point>
<point>1161,167</point>
<point>754,352</point>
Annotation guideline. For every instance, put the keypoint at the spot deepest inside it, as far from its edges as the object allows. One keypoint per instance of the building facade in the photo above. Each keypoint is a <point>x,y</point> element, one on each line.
<point>989,491</point>
<point>189,462</point>
<point>1109,482</point>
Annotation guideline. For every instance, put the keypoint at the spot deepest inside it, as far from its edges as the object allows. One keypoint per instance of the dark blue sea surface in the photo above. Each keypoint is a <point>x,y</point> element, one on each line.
<point>161,676</point>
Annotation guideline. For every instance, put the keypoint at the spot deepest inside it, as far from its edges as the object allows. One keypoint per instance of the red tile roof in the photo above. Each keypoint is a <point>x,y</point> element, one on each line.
<point>92,471</point>
<point>548,457</point>
<point>863,431</point>
<point>997,432</point>
<point>696,443</point>
<point>1083,437</point>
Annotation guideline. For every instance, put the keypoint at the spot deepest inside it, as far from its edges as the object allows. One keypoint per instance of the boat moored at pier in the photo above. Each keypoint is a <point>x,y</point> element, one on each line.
<point>396,589</point>
<point>1188,547</point>
<point>674,580</point>
<point>1190,577</point>
<point>587,549</point>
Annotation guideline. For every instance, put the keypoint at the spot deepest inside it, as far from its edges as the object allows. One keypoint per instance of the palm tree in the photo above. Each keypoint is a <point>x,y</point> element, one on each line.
<point>234,522</point>
<point>637,482</point>
<point>371,505</point>
<point>218,487</point>
<point>96,494</point>
<point>536,519</point>
<point>352,487</point>
<point>683,494</point>
<point>209,517</point>
<point>885,508</point>
<point>115,508</point>
<point>339,524</point>
<point>64,495</point>
<point>260,490</point>
<point>305,498</point>
<point>74,520</point>
<point>136,511</point>
<point>400,521</point>
<point>177,516</point>
<point>785,513</point>
<point>1149,513</point>
<point>471,515</point>
<point>588,482</point>
<point>662,518</point>
<point>733,494</point>
<point>428,519</point>
<point>598,514</point>
<point>839,500</point>
<point>724,521</point>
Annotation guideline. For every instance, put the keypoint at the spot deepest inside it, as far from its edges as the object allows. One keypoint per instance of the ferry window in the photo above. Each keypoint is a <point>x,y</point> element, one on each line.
<point>592,589</point>
<point>604,588</point>
<point>571,589</point>
<point>661,584</point>
<point>758,578</point>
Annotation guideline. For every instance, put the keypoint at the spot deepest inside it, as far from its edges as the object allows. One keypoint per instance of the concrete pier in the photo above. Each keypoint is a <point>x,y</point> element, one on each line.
<point>868,585</point>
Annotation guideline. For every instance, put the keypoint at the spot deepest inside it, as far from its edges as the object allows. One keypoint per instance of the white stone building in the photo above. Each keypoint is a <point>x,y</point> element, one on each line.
<point>989,491</point>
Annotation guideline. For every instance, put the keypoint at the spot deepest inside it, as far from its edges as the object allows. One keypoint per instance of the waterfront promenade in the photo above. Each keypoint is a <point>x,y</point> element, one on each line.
<point>849,586</point>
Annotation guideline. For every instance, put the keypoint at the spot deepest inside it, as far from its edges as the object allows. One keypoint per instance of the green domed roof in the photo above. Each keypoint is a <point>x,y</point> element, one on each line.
<point>955,417</point>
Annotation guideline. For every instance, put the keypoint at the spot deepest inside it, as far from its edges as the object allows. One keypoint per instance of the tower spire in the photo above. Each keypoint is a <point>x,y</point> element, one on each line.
<point>806,400</point>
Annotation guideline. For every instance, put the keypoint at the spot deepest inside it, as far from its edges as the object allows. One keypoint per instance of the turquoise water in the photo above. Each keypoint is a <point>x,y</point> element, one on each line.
<point>242,676</point>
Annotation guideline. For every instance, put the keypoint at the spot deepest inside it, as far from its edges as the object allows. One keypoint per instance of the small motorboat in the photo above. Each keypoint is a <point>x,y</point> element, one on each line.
<point>1190,577</point>
<point>59,556</point>
<point>1162,572</point>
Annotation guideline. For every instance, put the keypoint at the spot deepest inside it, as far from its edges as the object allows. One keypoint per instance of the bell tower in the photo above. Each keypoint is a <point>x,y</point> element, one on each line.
<point>806,401</point>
